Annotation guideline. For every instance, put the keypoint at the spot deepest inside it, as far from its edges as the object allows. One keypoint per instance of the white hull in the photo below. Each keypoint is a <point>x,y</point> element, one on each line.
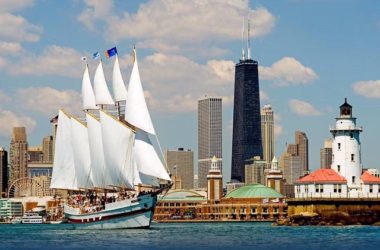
<point>132,213</point>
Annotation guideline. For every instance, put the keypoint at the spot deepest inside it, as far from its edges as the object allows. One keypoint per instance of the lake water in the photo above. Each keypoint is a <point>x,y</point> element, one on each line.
<point>190,236</point>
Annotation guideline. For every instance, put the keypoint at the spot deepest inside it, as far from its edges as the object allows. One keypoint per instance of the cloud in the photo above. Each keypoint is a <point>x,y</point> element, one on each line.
<point>95,9</point>
<point>13,5</point>
<point>302,108</point>
<point>178,26</point>
<point>47,100</point>
<point>4,98</point>
<point>174,83</point>
<point>288,71</point>
<point>369,89</point>
<point>16,29</point>
<point>264,96</point>
<point>10,48</point>
<point>54,60</point>
<point>278,128</point>
<point>9,119</point>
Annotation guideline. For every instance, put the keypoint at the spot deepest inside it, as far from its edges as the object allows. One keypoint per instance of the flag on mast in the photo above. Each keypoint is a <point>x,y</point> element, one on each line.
<point>111,52</point>
<point>95,56</point>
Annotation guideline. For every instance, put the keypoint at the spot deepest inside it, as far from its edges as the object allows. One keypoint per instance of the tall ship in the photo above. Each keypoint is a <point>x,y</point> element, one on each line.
<point>106,159</point>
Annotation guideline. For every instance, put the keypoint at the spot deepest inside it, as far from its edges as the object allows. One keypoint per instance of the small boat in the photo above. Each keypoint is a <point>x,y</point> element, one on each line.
<point>32,218</point>
<point>16,220</point>
<point>109,153</point>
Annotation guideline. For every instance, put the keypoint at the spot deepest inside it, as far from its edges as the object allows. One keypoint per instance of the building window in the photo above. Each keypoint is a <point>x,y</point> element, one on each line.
<point>338,146</point>
<point>338,168</point>
<point>340,188</point>
<point>335,188</point>
<point>275,210</point>
<point>265,210</point>
<point>352,157</point>
<point>298,188</point>
<point>253,210</point>
<point>242,210</point>
<point>351,135</point>
<point>370,188</point>
<point>321,188</point>
<point>306,188</point>
<point>317,188</point>
<point>353,179</point>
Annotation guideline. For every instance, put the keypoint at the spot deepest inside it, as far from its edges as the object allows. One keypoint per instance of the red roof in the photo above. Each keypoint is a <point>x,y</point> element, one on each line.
<point>368,178</point>
<point>322,176</point>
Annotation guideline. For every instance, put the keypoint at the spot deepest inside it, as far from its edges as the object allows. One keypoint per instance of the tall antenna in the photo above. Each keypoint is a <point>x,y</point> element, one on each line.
<point>242,42</point>
<point>248,41</point>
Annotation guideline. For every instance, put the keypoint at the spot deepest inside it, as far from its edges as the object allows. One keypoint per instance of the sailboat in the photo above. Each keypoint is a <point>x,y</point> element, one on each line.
<point>111,157</point>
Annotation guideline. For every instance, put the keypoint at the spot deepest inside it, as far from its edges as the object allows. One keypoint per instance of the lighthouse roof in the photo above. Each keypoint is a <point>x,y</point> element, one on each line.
<point>368,178</point>
<point>322,176</point>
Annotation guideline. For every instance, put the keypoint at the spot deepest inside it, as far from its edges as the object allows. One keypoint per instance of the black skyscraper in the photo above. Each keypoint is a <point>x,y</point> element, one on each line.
<point>246,138</point>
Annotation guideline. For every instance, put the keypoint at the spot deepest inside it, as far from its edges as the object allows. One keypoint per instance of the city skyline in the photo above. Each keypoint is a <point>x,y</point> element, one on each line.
<point>307,68</point>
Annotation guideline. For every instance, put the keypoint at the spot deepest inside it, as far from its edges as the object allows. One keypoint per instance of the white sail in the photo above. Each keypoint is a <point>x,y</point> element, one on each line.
<point>63,176</point>
<point>117,144</point>
<point>118,86</point>
<point>102,94</point>
<point>87,92</point>
<point>99,174</point>
<point>136,112</point>
<point>147,160</point>
<point>81,150</point>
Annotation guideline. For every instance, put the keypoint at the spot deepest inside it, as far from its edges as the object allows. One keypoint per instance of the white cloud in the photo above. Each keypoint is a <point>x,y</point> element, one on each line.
<point>288,71</point>
<point>9,119</point>
<point>10,48</point>
<point>54,60</point>
<point>16,28</point>
<point>47,100</point>
<point>95,9</point>
<point>303,108</point>
<point>13,5</point>
<point>369,89</point>
<point>224,69</point>
<point>264,96</point>
<point>278,128</point>
<point>177,26</point>
<point>174,83</point>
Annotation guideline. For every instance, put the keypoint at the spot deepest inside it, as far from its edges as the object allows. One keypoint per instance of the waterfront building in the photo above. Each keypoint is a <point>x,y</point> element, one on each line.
<point>326,154</point>
<point>302,143</point>
<point>267,132</point>
<point>254,172</point>
<point>209,136</point>
<point>35,154</point>
<point>18,154</point>
<point>11,208</point>
<point>214,182</point>
<point>3,172</point>
<point>181,165</point>
<point>346,177</point>
<point>274,178</point>
<point>47,149</point>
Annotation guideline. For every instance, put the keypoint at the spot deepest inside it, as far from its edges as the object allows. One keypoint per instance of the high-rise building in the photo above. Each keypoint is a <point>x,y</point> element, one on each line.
<point>18,154</point>
<point>303,149</point>
<point>291,166</point>
<point>209,136</point>
<point>254,172</point>
<point>246,137</point>
<point>267,132</point>
<point>47,149</point>
<point>35,154</point>
<point>3,172</point>
<point>326,154</point>
<point>181,166</point>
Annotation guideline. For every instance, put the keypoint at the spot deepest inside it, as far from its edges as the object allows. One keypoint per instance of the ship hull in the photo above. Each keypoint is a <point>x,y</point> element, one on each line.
<point>133,213</point>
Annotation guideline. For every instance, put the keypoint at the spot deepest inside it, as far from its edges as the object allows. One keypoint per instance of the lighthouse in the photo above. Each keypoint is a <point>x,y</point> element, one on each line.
<point>346,158</point>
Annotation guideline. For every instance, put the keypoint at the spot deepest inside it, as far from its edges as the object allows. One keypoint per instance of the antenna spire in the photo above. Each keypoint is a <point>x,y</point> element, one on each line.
<point>248,41</point>
<point>242,42</point>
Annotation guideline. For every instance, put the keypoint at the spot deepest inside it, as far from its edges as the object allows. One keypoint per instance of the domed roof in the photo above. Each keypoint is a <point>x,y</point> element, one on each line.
<point>254,191</point>
<point>183,194</point>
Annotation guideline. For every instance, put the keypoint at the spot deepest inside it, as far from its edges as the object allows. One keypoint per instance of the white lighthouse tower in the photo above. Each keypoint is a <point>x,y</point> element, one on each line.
<point>346,158</point>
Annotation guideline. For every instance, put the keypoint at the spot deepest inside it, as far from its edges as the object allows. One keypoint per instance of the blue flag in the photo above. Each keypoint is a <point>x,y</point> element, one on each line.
<point>95,56</point>
<point>111,52</point>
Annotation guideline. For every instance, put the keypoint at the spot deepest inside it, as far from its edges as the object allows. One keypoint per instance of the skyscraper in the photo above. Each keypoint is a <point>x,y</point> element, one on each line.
<point>3,171</point>
<point>209,136</point>
<point>267,132</point>
<point>181,166</point>
<point>18,154</point>
<point>303,149</point>
<point>326,154</point>
<point>47,149</point>
<point>246,138</point>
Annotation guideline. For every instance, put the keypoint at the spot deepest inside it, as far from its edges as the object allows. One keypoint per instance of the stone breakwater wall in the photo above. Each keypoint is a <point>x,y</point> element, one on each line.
<point>339,211</point>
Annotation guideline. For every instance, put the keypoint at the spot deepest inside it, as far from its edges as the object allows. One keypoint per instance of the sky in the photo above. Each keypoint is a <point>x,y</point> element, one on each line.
<point>311,54</point>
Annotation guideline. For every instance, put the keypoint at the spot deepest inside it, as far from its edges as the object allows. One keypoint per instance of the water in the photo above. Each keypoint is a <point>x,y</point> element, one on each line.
<point>191,236</point>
